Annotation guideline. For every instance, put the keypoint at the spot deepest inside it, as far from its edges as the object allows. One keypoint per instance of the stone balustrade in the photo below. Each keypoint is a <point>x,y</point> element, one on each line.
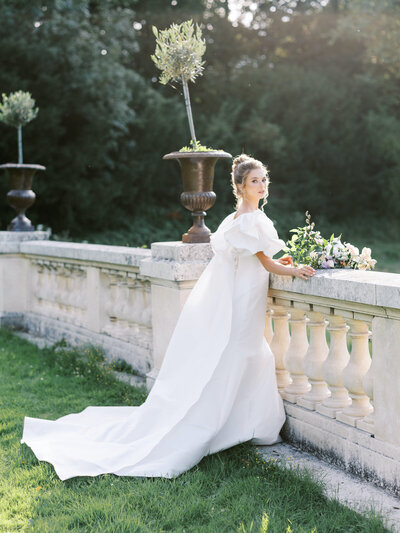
<point>336,342</point>
<point>335,337</point>
<point>126,300</point>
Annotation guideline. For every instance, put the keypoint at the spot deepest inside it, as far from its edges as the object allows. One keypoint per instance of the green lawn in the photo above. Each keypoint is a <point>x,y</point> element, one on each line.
<point>226,492</point>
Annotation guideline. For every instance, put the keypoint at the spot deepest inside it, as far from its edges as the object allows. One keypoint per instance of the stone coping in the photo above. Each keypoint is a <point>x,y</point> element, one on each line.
<point>366,287</point>
<point>181,252</point>
<point>177,261</point>
<point>19,236</point>
<point>120,255</point>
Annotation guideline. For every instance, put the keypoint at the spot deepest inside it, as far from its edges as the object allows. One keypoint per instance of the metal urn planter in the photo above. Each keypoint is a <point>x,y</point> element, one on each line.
<point>197,171</point>
<point>21,196</point>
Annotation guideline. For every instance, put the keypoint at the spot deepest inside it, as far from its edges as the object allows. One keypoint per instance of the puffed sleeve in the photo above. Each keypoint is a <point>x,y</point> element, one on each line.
<point>252,233</point>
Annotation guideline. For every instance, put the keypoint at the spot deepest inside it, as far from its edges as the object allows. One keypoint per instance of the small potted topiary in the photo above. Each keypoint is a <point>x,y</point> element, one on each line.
<point>178,54</point>
<point>17,110</point>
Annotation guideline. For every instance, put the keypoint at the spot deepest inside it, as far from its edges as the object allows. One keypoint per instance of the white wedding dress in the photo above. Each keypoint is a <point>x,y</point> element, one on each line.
<point>216,387</point>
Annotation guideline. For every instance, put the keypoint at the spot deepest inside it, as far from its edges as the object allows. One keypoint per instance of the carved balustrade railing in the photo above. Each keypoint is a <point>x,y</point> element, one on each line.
<point>336,342</point>
<point>316,370</point>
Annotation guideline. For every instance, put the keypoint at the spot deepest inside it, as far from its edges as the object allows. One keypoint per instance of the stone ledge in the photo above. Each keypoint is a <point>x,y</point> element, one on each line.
<point>171,270</point>
<point>10,241</point>
<point>176,261</point>
<point>371,288</point>
<point>117,255</point>
<point>348,447</point>
<point>19,236</point>
<point>337,484</point>
<point>181,252</point>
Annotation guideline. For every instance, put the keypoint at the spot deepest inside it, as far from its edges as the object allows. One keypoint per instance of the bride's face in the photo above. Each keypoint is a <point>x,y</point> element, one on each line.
<point>255,186</point>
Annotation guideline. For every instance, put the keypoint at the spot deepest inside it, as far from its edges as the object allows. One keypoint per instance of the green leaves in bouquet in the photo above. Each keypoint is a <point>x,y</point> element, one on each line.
<point>304,242</point>
<point>308,247</point>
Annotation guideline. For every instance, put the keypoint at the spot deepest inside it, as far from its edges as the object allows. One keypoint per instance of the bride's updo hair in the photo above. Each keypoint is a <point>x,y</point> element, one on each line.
<point>241,167</point>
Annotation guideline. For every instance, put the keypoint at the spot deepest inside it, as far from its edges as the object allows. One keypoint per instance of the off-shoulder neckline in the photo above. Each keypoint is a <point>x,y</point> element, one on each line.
<point>248,213</point>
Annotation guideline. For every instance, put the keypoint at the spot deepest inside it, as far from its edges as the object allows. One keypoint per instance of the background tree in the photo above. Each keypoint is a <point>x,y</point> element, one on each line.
<point>309,87</point>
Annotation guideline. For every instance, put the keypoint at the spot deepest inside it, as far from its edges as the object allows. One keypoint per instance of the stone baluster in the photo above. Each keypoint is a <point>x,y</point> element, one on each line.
<point>37,285</point>
<point>52,290</point>
<point>69,283</point>
<point>44,290</point>
<point>312,364</point>
<point>294,357</point>
<point>135,308</point>
<point>62,291</point>
<point>57,285</point>
<point>333,366</point>
<point>279,345</point>
<point>139,303</point>
<point>111,301</point>
<point>136,304</point>
<point>122,311</point>
<point>77,295</point>
<point>354,373</point>
<point>146,316</point>
<point>368,423</point>
<point>268,331</point>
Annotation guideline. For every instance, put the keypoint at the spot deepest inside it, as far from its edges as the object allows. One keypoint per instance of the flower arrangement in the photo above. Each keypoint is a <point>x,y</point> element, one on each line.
<point>308,247</point>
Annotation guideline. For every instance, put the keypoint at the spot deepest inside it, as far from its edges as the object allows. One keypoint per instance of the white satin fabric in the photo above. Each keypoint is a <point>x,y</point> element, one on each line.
<point>216,387</point>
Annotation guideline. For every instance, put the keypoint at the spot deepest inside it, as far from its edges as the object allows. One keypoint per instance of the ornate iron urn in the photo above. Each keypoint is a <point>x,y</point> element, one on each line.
<point>21,195</point>
<point>197,171</point>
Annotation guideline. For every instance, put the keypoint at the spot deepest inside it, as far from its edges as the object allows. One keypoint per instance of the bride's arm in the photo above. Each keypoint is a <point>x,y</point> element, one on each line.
<point>269,264</point>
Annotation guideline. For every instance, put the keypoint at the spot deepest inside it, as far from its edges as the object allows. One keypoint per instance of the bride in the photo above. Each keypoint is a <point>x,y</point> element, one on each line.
<point>216,387</point>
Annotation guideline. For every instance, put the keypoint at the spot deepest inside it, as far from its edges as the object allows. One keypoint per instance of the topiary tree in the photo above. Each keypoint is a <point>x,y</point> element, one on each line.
<point>17,110</point>
<point>178,54</point>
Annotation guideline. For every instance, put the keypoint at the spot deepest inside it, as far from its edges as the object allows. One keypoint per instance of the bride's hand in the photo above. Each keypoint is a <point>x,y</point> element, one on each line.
<point>285,260</point>
<point>303,272</point>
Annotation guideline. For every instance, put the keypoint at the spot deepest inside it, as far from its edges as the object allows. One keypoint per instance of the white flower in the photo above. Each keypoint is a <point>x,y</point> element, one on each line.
<point>328,264</point>
<point>366,254</point>
<point>354,251</point>
<point>313,255</point>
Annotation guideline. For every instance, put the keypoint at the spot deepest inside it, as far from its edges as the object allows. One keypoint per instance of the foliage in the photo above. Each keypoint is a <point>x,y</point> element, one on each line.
<point>179,51</point>
<point>178,54</point>
<point>315,100</point>
<point>18,109</point>
<point>308,247</point>
<point>198,147</point>
<point>74,60</point>
<point>225,490</point>
<point>120,365</point>
<point>88,363</point>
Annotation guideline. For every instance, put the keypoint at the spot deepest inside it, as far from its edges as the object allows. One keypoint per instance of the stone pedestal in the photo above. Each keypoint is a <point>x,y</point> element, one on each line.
<point>14,272</point>
<point>173,269</point>
<point>10,240</point>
